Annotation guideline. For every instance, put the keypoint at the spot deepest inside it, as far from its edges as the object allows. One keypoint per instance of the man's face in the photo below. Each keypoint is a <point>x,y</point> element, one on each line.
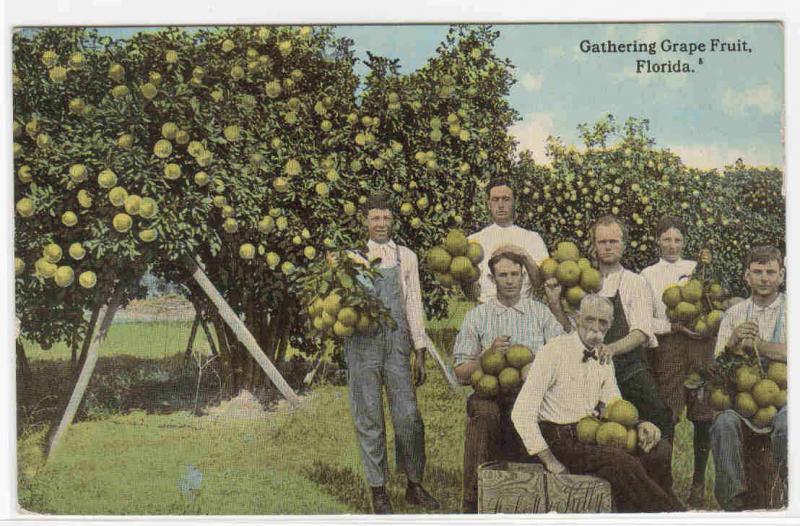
<point>764,279</point>
<point>507,277</point>
<point>593,322</point>
<point>608,243</point>
<point>501,204</point>
<point>379,224</point>
<point>670,243</point>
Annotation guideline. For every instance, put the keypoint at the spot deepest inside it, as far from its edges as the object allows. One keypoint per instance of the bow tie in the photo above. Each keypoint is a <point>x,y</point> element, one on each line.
<point>587,355</point>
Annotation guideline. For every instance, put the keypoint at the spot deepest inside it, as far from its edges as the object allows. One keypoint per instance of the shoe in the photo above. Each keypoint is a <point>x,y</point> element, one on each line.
<point>697,496</point>
<point>469,507</point>
<point>417,496</point>
<point>381,505</point>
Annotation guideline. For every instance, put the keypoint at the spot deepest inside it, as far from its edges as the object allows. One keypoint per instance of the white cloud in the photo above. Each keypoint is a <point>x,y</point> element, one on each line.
<point>532,82</point>
<point>532,134</point>
<point>763,98</point>
<point>708,156</point>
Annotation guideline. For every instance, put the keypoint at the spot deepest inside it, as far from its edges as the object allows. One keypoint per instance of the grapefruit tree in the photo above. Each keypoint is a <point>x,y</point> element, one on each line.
<point>248,148</point>
<point>620,171</point>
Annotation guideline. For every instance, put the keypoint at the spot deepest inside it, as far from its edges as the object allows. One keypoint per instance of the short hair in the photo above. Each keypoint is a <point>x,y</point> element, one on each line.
<point>511,256</point>
<point>377,200</point>
<point>763,254</point>
<point>596,299</point>
<point>667,222</point>
<point>608,220</point>
<point>499,181</point>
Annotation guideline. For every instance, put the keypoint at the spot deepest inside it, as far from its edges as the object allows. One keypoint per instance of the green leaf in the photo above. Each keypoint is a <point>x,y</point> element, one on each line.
<point>345,280</point>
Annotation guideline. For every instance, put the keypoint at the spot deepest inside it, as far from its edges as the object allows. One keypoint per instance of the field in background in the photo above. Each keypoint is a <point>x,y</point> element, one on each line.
<point>138,448</point>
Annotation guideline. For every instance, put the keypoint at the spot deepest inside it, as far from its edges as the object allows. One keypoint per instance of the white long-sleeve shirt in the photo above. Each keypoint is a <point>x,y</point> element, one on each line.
<point>560,388</point>
<point>409,283</point>
<point>660,276</point>
<point>771,320</point>
<point>637,300</point>
<point>494,236</point>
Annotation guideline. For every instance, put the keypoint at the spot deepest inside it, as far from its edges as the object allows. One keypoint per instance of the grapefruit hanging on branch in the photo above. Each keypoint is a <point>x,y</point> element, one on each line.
<point>338,293</point>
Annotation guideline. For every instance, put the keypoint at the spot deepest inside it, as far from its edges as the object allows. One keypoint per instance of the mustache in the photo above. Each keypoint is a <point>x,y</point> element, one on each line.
<point>593,337</point>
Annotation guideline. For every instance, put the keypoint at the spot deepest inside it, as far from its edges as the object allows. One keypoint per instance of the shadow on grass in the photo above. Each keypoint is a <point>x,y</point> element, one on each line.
<point>119,384</point>
<point>343,484</point>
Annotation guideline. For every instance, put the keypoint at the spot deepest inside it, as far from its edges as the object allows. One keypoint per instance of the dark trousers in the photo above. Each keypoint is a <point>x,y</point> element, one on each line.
<point>671,362</point>
<point>490,435</point>
<point>636,384</point>
<point>640,482</point>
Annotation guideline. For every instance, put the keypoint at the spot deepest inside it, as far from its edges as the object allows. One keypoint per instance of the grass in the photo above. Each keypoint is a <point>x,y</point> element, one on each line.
<point>149,340</point>
<point>138,450</point>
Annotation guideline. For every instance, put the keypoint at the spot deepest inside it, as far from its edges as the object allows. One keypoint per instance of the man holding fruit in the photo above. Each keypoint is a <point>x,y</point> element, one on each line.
<point>760,324</point>
<point>566,383</point>
<point>384,358</point>
<point>494,327</point>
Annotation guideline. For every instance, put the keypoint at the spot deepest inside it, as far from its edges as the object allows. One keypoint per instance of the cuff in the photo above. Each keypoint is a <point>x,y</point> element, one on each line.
<point>662,326</point>
<point>651,339</point>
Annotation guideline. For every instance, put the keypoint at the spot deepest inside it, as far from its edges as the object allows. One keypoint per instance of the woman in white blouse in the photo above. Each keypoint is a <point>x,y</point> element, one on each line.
<point>680,350</point>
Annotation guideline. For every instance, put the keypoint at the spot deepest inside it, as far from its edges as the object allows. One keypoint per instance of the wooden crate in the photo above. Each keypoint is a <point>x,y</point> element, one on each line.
<point>511,487</point>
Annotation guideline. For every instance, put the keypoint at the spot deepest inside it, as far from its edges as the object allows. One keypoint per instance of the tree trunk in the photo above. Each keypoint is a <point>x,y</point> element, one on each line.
<point>23,366</point>
<point>86,372</point>
<point>210,338</point>
<point>192,334</point>
<point>225,353</point>
<point>87,340</point>
<point>243,335</point>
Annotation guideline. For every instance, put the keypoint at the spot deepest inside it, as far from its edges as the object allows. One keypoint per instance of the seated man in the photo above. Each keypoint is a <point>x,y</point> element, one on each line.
<point>567,382</point>
<point>759,321</point>
<point>502,321</point>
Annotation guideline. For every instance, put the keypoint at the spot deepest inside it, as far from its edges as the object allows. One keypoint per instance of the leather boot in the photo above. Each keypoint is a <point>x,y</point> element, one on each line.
<point>417,496</point>
<point>381,505</point>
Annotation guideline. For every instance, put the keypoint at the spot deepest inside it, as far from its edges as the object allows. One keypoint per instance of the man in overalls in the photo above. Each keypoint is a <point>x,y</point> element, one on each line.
<point>631,333</point>
<point>759,321</point>
<point>384,358</point>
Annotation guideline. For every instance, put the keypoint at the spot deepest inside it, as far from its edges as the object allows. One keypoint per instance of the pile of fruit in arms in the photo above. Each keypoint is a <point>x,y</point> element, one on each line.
<point>502,373</point>
<point>753,395</point>
<point>455,260</point>
<point>617,427</point>
<point>686,305</point>
<point>575,274</point>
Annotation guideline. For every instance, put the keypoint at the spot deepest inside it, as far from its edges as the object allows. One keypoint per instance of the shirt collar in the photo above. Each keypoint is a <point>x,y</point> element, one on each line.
<point>501,309</point>
<point>374,245</point>
<point>772,306</point>
<point>665,262</point>
<point>577,344</point>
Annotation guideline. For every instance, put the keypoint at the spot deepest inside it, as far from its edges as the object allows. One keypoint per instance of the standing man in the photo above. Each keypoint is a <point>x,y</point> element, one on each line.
<point>631,333</point>
<point>759,321</point>
<point>500,202</point>
<point>504,320</point>
<point>567,382</point>
<point>384,359</point>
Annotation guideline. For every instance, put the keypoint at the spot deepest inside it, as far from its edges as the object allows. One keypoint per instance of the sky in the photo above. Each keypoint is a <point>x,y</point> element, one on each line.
<point>730,107</point>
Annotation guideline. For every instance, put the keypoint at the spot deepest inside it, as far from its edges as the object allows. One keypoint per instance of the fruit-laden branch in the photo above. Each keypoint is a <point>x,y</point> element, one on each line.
<point>88,368</point>
<point>243,334</point>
